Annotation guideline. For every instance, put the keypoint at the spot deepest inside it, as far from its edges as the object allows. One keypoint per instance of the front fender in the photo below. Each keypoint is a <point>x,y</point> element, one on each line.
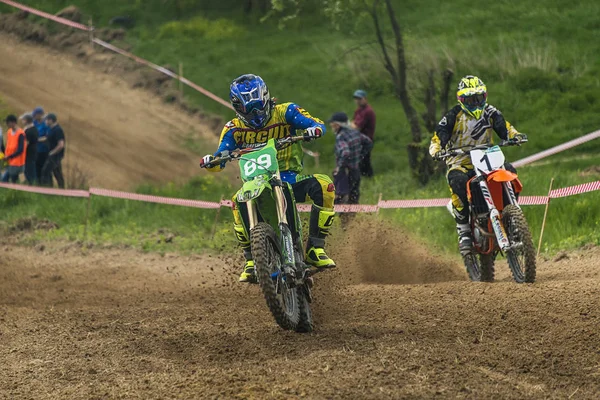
<point>503,175</point>
<point>252,189</point>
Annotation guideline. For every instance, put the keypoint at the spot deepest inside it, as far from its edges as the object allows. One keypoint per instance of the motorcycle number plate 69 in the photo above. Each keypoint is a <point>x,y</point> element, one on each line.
<point>259,163</point>
<point>488,160</point>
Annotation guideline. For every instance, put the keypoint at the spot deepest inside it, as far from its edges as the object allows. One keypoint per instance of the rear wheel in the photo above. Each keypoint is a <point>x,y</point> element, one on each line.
<point>283,301</point>
<point>521,256</point>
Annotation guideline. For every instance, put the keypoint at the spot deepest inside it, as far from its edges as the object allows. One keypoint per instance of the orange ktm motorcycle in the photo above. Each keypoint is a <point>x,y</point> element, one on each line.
<point>497,221</point>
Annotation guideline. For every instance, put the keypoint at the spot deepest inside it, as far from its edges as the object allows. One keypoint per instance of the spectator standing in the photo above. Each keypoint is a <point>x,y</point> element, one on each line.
<point>56,144</point>
<point>364,122</point>
<point>31,135</point>
<point>16,147</point>
<point>2,149</point>
<point>350,148</point>
<point>42,144</point>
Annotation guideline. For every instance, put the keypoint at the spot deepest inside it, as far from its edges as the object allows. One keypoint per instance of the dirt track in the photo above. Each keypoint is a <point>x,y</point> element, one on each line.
<point>119,136</point>
<point>120,324</point>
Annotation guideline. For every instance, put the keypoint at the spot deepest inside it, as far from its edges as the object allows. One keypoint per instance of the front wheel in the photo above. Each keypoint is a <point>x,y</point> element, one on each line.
<point>473,267</point>
<point>305,325</point>
<point>283,301</point>
<point>480,267</point>
<point>521,256</point>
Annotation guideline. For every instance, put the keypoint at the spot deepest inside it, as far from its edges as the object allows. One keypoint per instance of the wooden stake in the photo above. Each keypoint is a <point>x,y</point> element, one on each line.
<point>87,217</point>
<point>214,229</point>
<point>545,216</point>
<point>91,33</point>
<point>379,201</point>
<point>180,76</point>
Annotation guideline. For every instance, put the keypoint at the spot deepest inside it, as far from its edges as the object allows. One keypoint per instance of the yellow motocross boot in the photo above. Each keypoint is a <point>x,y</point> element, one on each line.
<point>248,275</point>
<point>321,221</point>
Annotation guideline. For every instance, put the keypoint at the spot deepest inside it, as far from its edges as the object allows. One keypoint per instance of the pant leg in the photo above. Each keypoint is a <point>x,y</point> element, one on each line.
<point>39,165</point>
<point>30,167</point>
<point>58,173</point>
<point>354,182</point>
<point>47,172</point>
<point>317,188</point>
<point>457,180</point>
<point>5,177</point>
<point>14,177</point>
<point>321,191</point>
<point>342,187</point>
<point>366,169</point>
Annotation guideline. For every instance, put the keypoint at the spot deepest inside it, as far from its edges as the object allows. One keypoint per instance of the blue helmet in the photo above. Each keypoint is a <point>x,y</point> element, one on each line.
<point>251,100</point>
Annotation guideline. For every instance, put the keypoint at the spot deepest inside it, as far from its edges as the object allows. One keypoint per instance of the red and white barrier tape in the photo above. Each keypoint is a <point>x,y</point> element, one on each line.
<point>533,200</point>
<point>146,198</point>
<point>342,208</point>
<point>573,190</point>
<point>557,149</point>
<point>418,203</point>
<point>46,15</point>
<point>50,191</point>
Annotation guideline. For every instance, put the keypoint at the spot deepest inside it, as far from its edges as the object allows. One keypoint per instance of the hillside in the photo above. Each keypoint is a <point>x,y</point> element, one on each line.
<point>542,75</point>
<point>119,138</point>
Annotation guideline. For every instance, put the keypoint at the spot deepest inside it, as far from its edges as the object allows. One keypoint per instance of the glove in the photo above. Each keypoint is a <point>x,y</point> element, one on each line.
<point>519,137</point>
<point>314,132</point>
<point>439,155</point>
<point>206,160</point>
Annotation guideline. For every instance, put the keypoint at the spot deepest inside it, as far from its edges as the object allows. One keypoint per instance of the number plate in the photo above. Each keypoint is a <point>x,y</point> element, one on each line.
<point>488,160</point>
<point>260,162</point>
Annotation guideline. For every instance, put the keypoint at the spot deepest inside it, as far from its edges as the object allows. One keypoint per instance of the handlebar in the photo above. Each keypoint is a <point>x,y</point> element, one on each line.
<point>458,151</point>
<point>237,154</point>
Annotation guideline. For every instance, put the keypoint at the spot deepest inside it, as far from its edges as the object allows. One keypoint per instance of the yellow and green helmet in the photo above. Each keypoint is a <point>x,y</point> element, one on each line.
<point>472,95</point>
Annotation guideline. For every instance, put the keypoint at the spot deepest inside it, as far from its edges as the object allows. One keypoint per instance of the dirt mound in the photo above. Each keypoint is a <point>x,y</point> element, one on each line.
<point>375,252</point>
<point>117,136</point>
<point>76,43</point>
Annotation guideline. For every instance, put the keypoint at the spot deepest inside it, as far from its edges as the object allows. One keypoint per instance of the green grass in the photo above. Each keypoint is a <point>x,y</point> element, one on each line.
<point>540,60</point>
<point>136,224</point>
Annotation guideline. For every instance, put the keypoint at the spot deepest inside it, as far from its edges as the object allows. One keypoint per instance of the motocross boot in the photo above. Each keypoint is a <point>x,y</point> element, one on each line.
<point>248,275</point>
<point>321,221</point>
<point>465,241</point>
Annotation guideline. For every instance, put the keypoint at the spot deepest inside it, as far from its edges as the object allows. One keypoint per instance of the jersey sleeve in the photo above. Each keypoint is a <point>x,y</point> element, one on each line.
<point>501,126</point>
<point>443,131</point>
<point>300,119</point>
<point>226,143</point>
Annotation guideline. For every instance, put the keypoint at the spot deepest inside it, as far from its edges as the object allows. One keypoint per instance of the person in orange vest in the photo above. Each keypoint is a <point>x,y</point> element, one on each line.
<point>16,147</point>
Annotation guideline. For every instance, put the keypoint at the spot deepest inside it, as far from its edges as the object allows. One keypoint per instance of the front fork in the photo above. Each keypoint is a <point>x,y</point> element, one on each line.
<point>497,225</point>
<point>287,241</point>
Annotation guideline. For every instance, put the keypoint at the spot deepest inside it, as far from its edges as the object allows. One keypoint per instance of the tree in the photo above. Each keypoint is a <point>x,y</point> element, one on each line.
<point>341,12</point>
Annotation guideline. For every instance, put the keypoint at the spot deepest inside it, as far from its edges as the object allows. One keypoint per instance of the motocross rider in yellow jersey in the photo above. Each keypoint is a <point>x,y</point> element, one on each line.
<point>258,120</point>
<point>471,122</point>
